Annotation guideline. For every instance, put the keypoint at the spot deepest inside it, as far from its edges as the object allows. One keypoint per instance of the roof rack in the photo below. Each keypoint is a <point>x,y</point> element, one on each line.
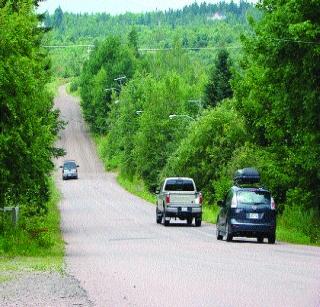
<point>246,176</point>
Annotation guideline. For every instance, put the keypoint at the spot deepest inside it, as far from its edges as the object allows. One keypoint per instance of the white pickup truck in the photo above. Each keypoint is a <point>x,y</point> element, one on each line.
<point>178,198</point>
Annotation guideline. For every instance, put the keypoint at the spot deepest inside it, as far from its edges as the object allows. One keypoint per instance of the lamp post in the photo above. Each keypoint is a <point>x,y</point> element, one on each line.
<point>120,80</point>
<point>111,89</point>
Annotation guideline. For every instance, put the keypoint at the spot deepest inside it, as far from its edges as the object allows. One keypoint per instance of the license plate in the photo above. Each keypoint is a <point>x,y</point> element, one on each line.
<point>253,215</point>
<point>184,209</point>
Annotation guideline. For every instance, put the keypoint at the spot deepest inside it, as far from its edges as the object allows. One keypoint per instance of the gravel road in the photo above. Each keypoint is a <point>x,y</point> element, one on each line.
<point>121,257</point>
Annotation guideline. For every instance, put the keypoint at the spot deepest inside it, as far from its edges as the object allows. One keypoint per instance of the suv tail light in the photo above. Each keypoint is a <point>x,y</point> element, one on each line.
<point>167,198</point>
<point>234,201</point>
<point>200,199</point>
<point>273,204</point>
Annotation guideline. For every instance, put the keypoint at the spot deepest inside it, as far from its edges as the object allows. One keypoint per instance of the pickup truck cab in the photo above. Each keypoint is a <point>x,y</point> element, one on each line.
<point>178,198</point>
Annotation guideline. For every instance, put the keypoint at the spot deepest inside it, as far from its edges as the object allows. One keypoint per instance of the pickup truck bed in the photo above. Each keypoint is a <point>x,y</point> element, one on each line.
<point>178,198</point>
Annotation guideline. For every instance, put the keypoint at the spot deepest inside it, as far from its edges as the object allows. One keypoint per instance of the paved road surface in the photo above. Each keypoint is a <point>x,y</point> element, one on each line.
<point>123,258</point>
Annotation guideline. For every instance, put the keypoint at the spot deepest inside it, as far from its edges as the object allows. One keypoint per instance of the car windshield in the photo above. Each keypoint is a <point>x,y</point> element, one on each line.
<point>179,185</point>
<point>255,197</point>
<point>69,165</point>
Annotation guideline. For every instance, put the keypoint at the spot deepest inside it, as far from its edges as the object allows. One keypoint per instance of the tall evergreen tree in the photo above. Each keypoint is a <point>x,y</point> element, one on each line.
<point>219,87</point>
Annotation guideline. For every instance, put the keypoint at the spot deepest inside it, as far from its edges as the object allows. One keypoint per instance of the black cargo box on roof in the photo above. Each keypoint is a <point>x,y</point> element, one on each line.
<point>247,175</point>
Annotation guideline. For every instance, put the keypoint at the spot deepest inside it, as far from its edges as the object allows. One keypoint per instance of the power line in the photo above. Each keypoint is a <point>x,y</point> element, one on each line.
<point>145,49</point>
<point>67,46</point>
<point>293,41</point>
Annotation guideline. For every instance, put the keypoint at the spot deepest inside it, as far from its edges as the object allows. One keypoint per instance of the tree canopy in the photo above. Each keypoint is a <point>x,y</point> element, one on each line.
<point>28,125</point>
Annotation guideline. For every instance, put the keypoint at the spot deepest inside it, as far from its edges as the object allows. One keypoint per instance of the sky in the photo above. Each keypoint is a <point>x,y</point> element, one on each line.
<point>115,7</point>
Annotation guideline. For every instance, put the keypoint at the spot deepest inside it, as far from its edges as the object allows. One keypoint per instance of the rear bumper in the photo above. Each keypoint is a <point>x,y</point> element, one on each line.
<point>184,212</point>
<point>69,176</point>
<point>251,230</point>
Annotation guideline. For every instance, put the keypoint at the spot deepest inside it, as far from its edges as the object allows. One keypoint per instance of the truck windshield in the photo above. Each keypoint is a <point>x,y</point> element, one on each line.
<point>255,197</point>
<point>179,185</point>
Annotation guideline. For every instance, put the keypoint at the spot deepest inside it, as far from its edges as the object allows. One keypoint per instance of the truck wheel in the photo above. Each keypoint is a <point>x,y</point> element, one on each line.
<point>158,216</point>
<point>166,221</point>
<point>189,221</point>
<point>198,221</point>
<point>219,236</point>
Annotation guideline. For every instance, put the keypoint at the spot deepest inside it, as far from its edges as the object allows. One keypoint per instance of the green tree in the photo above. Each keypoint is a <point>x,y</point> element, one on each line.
<point>219,86</point>
<point>133,41</point>
<point>278,91</point>
<point>28,125</point>
<point>208,146</point>
<point>108,61</point>
<point>57,17</point>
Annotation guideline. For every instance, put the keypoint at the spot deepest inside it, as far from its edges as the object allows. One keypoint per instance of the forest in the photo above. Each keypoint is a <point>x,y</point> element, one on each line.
<point>199,92</point>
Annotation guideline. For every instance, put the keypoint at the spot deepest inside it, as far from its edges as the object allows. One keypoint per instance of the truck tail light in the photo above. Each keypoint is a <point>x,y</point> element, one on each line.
<point>200,199</point>
<point>273,204</point>
<point>168,199</point>
<point>234,202</point>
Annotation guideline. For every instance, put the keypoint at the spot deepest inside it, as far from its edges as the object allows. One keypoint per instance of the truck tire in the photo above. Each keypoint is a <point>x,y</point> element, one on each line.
<point>166,221</point>
<point>219,236</point>
<point>158,216</point>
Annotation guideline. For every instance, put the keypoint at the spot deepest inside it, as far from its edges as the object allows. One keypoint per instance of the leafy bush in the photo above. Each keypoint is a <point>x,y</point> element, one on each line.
<point>207,147</point>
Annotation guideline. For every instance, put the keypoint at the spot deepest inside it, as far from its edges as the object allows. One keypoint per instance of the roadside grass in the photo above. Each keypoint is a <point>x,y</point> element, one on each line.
<point>299,225</point>
<point>210,213</point>
<point>72,90</point>
<point>29,247</point>
<point>54,85</point>
<point>136,187</point>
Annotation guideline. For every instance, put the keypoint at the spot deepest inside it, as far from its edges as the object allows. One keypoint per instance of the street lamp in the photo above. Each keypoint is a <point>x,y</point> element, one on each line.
<point>172,116</point>
<point>111,89</point>
<point>120,80</point>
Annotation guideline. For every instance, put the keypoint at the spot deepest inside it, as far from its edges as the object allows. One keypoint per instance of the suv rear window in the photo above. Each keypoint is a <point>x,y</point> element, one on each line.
<point>254,197</point>
<point>179,185</point>
<point>69,165</point>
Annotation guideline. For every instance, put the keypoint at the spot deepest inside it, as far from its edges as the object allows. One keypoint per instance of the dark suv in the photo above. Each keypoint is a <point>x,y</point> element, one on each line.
<point>247,210</point>
<point>69,169</point>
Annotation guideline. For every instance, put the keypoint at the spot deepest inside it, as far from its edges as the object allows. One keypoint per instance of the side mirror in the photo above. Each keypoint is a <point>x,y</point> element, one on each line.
<point>220,203</point>
<point>78,165</point>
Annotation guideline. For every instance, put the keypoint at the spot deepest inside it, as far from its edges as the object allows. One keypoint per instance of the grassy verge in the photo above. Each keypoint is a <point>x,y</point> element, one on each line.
<point>29,247</point>
<point>54,85</point>
<point>136,187</point>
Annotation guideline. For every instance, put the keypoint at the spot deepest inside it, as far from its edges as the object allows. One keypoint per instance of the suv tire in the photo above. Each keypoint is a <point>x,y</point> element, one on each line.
<point>272,239</point>
<point>189,221</point>
<point>260,239</point>
<point>229,235</point>
<point>198,221</point>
